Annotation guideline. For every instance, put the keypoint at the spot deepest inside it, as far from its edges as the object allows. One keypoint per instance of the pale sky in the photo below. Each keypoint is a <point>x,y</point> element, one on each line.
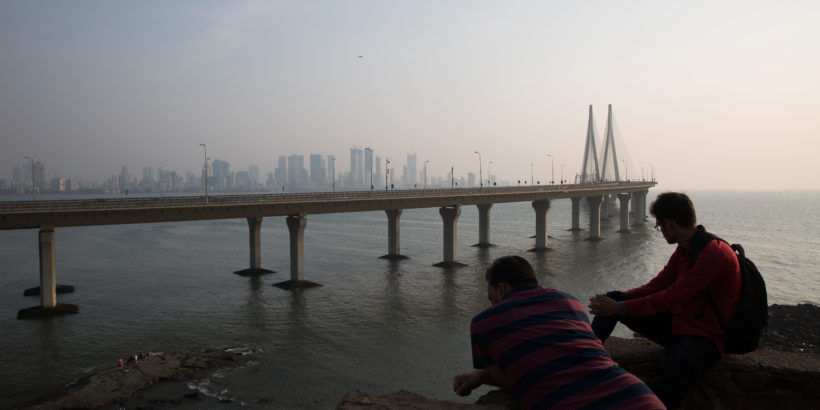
<point>713,94</point>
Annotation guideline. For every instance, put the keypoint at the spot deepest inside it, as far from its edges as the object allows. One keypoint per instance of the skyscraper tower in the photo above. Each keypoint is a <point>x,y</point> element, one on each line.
<point>412,172</point>
<point>356,167</point>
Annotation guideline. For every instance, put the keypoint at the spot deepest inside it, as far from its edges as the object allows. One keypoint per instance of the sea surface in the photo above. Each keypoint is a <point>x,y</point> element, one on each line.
<point>375,325</point>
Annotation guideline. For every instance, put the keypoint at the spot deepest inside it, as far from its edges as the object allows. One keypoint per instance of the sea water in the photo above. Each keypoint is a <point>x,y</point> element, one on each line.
<point>374,324</point>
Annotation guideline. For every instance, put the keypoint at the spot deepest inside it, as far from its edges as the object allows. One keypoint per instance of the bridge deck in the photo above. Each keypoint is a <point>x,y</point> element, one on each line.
<point>64,213</point>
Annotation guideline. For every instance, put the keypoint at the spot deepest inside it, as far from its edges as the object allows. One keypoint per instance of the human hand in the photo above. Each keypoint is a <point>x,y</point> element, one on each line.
<point>603,305</point>
<point>463,384</point>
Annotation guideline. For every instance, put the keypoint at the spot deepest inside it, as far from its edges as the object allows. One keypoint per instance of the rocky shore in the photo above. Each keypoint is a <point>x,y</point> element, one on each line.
<point>792,329</point>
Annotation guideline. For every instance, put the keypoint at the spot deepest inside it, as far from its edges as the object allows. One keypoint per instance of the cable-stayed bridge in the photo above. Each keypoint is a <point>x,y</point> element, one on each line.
<point>47,216</point>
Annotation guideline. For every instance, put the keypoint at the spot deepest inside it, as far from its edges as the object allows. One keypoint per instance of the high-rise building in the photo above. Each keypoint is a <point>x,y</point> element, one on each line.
<point>40,176</point>
<point>280,175</point>
<point>318,171</point>
<point>124,179</point>
<point>221,176</point>
<point>331,170</point>
<point>253,176</point>
<point>412,172</point>
<point>297,175</point>
<point>378,177</point>
<point>356,175</point>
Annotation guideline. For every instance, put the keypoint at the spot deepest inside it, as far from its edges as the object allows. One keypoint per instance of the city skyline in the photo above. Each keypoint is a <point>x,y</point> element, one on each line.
<point>713,95</point>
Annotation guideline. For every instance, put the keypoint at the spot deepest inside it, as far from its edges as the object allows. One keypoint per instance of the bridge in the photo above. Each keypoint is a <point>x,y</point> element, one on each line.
<point>49,215</point>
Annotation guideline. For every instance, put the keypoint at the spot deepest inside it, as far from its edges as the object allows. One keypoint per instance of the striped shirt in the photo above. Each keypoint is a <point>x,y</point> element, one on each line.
<point>541,340</point>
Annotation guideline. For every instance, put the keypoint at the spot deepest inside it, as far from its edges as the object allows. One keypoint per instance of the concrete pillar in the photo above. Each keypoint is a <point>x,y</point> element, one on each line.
<point>296,227</point>
<point>449,215</point>
<point>624,199</point>
<point>48,269</point>
<point>393,251</point>
<point>541,224</point>
<point>639,207</point>
<point>576,214</point>
<point>255,230</point>
<point>595,216</point>
<point>484,225</point>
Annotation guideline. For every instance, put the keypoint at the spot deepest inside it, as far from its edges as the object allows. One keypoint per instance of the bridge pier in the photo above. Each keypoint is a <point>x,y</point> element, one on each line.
<point>484,226</point>
<point>296,228</point>
<point>624,200</point>
<point>640,216</point>
<point>541,224</point>
<point>595,216</point>
<point>255,235</point>
<point>576,214</point>
<point>449,215</point>
<point>48,281</point>
<point>393,216</point>
<point>605,207</point>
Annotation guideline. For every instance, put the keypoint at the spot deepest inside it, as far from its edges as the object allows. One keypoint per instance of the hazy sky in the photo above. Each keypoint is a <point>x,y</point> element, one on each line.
<point>714,94</point>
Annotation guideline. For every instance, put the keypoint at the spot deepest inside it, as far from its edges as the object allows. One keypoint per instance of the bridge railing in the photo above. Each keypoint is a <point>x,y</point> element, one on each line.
<point>217,200</point>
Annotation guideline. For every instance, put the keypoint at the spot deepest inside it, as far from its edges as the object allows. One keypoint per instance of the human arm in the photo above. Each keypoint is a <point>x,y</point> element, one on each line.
<point>464,383</point>
<point>689,281</point>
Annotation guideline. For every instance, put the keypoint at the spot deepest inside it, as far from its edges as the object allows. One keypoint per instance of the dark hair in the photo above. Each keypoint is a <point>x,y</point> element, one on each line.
<point>675,206</point>
<point>512,270</point>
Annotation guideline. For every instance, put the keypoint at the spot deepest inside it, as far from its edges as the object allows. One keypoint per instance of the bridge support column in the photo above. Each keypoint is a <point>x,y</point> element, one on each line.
<point>605,207</point>
<point>255,242</point>
<point>48,281</point>
<point>541,225</point>
<point>576,214</point>
<point>449,215</point>
<point>624,200</point>
<point>639,207</point>
<point>393,216</point>
<point>296,228</point>
<point>595,216</point>
<point>484,226</point>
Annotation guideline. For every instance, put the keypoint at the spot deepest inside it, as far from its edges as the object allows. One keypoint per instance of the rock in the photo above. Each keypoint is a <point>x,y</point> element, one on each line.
<point>117,384</point>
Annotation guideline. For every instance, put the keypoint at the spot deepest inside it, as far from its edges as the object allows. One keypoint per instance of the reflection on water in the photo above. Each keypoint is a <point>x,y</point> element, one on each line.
<point>375,324</point>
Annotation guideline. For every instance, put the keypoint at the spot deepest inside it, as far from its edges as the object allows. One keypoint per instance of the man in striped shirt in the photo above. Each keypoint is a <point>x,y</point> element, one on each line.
<point>537,343</point>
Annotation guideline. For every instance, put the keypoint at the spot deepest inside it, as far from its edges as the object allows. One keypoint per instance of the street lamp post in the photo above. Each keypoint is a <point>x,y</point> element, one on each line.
<point>562,174</point>
<point>386,171</point>
<point>33,194</point>
<point>532,173</point>
<point>480,176</point>
<point>626,169</point>
<point>425,173</point>
<point>371,166</point>
<point>489,174</point>
<point>206,171</point>
<point>552,163</point>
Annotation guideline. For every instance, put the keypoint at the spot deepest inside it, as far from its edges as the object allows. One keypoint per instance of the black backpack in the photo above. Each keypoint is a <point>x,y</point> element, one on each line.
<point>752,313</point>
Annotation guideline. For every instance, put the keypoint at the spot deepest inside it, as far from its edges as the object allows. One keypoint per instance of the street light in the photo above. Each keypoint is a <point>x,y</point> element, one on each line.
<point>371,166</point>
<point>552,163</point>
<point>386,171</point>
<point>532,174</point>
<point>33,194</point>
<point>206,171</point>
<point>480,176</point>
<point>425,173</point>
<point>489,174</point>
<point>562,174</point>
<point>627,170</point>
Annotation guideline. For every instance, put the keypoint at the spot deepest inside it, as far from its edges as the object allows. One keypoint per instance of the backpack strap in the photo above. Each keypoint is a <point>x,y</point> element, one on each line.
<point>697,244</point>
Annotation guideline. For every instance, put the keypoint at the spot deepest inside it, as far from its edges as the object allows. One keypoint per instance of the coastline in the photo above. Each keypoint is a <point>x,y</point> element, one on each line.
<point>792,328</point>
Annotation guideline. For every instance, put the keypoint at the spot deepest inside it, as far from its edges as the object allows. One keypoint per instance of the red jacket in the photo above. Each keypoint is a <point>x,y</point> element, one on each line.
<point>680,288</point>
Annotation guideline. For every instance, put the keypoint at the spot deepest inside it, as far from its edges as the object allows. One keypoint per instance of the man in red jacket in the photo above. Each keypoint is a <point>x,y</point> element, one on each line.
<point>673,309</point>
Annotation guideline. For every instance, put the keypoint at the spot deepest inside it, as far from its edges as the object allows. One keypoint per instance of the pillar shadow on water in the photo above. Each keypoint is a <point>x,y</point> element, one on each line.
<point>296,284</point>
<point>251,272</point>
